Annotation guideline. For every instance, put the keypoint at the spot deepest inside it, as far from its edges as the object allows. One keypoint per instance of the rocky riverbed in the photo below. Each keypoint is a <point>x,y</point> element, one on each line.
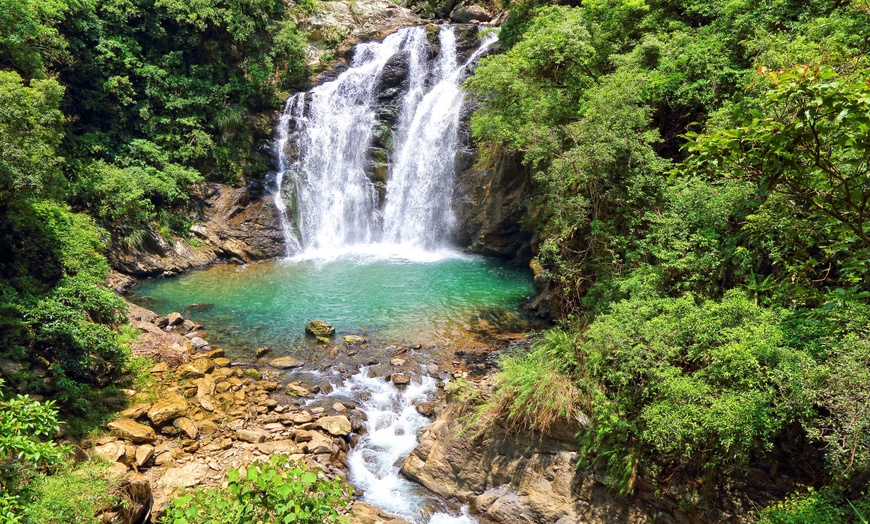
<point>204,414</point>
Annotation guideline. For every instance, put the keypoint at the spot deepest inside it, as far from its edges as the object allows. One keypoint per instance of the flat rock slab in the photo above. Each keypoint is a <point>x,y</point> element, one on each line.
<point>337,426</point>
<point>133,431</point>
<point>185,476</point>
<point>286,362</point>
<point>162,412</point>
<point>251,435</point>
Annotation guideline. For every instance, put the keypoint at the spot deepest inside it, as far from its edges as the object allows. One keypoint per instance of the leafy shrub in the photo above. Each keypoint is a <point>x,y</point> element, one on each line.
<point>26,449</point>
<point>276,491</point>
<point>817,507</point>
<point>699,385</point>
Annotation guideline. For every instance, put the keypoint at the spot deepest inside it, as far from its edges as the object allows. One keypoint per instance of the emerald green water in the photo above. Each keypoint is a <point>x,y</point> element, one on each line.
<point>392,301</point>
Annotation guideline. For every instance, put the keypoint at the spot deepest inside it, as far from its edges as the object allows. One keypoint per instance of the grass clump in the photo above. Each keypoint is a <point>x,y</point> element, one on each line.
<point>535,390</point>
<point>73,495</point>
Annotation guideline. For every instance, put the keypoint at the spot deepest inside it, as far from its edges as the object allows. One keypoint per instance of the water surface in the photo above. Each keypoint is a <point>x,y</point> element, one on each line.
<point>387,299</point>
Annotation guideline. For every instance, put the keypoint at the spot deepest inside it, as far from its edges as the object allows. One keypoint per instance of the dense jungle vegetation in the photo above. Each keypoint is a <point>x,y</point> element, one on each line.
<point>110,112</point>
<point>701,197</point>
<point>702,174</point>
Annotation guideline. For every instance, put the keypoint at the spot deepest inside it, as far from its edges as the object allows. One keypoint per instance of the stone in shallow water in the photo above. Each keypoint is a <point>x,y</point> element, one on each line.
<point>354,339</point>
<point>319,328</point>
<point>286,362</point>
<point>400,379</point>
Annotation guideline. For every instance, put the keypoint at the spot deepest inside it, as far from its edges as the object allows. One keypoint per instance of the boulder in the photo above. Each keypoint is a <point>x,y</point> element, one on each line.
<point>184,477</point>
<point>337,426</point>
<point>174,319</point>
<point>297,390</point>
<point>362,513</point>
<point>111,452</point>
<point>286,362</point>
<point>143,453</point>
<point>186,426</point>
<point>164,411</point>
<point>136,411</point>
<point>254,436</point>
<point>199,343</point>
<point>267,385</point>
<point>470,13</point>
<point>400,379</point>
<point>196,369</point>
<point>354,339</point>
<point>278,446</point>
<point>319,328</point>
<point>133,431</point>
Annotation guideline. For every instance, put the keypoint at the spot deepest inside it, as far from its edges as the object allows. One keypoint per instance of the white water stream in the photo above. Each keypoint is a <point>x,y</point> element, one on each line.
<point>392,427</point>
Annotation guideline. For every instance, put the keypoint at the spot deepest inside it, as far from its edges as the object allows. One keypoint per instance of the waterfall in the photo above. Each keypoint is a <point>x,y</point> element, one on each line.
<point>367,160</point>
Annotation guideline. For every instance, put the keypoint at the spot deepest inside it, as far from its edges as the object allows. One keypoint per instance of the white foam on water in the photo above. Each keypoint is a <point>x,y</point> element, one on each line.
<point>392,428</point>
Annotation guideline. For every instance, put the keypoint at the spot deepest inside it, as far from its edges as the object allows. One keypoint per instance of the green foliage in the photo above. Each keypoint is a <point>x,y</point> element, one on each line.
<point>30,131</point>
<point>817,507</point>
<point>26,449</point>
<point>29,36</point>
<point>534,390</point>
<point>275,491</point>
<point>692,385</point>
<point>809,140</point>
<point>73,495</point>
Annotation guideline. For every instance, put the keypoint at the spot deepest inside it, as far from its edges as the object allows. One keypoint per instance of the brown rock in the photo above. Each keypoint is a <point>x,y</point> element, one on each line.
<point>186,426</point>
<point>143,453</point>
<point>297,389</point>
<point>253,436</point>
<point>196,369</point>
<point>133,431</point>
<point>184,477</point>
<point>268,385</point>
<point>400,379</point>
<point>286,362</point>
<point>162,412</point>
<point>174,319</point>
<point>362,513</point>
<point>319,328</point>
<point>134,412</point>
<point>338,425</point>
<point>111,452</point>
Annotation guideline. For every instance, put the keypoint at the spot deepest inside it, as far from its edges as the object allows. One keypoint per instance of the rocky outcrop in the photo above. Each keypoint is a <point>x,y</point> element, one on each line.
<point>490,203</point>
<point>231,226</point>
<point>343,23</point>
<point>514,479</point>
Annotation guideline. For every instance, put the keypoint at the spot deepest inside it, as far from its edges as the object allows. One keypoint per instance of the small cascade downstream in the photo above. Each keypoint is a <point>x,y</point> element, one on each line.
<point>366,161</point>
<point>392,427</point>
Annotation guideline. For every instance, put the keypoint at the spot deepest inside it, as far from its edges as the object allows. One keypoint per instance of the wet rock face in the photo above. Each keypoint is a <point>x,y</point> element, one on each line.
<point>232,225</point>
<point>489,206</point>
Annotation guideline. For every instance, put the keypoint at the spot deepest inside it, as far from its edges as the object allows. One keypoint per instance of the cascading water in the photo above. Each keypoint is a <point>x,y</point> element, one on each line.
<point>366,164</point>
<point>392,427</point>
<point>325,141</point>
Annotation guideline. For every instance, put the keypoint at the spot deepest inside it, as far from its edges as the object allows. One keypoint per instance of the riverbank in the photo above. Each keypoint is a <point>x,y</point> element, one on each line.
<point>204,414</point>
